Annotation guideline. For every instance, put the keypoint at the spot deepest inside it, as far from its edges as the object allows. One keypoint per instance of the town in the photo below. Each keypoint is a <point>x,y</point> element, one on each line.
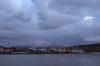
<point>77,49</point>
<point>37,50</point>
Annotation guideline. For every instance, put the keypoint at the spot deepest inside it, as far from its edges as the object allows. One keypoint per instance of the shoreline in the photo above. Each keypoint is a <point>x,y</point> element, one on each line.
<point>42,53</point>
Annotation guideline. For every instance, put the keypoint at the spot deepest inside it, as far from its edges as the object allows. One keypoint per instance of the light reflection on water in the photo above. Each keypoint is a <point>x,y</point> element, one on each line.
<point>50,60</point>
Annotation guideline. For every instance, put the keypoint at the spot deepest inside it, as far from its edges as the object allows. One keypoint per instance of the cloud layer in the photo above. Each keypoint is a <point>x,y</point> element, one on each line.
<point>51,22</point>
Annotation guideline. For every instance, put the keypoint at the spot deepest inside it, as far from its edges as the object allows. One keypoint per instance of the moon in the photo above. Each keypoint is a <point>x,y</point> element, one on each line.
<point>88,18</point>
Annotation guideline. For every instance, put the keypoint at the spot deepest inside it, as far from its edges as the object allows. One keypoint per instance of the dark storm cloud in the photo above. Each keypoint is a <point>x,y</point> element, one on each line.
<point>50,21</point>
<point>51,18</point>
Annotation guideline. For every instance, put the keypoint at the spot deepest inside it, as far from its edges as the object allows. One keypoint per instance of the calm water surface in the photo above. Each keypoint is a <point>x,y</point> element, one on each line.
<point>50,60</point>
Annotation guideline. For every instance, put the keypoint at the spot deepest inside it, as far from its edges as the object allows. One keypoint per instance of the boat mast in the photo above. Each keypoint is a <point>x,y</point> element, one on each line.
<point>73,48</point>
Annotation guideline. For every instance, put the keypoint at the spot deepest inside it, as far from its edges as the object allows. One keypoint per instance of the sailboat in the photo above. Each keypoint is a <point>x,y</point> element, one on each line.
<point>75,49</point>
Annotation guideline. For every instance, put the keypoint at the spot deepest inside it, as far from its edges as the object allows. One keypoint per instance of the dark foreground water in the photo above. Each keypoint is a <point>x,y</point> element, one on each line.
<point>50,60</point>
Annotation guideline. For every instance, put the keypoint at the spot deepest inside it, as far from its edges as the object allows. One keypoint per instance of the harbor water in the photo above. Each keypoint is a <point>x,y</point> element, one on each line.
<point>51,60</point>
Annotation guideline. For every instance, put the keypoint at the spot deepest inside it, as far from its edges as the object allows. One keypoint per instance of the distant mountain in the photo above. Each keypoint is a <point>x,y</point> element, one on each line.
<point>0,46</point>
<point>90,48</point>
<point>22,46</point>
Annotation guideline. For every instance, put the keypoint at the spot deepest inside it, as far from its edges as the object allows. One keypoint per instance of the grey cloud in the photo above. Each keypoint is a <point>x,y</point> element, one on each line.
<point>57,13</point>
<point>51,18</point>
<point>49,21</point>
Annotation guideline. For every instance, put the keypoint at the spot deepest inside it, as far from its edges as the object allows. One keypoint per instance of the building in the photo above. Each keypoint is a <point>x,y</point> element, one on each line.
<point>4,50</point>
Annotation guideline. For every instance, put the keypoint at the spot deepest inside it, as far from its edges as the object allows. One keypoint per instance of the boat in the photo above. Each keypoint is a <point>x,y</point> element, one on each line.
<point>77,50</point>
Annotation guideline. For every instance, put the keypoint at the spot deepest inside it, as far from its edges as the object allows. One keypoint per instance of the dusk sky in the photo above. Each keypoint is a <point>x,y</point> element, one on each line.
<point>50,22</point>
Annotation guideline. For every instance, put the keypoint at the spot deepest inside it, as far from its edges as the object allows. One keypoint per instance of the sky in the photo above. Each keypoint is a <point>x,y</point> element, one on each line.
<point>49,22</point>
